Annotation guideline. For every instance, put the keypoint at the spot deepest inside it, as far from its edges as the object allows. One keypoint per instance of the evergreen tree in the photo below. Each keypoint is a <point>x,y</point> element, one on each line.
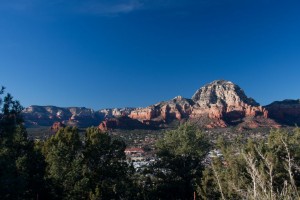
<point>262,169</point>
<point>92,167</point>
<point>108,172</point>
<point>21,166</point>
<point>64,160</point>
<point>181,154</point>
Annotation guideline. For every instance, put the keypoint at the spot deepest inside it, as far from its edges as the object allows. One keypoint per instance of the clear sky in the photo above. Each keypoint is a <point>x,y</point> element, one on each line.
<point>117,53</point>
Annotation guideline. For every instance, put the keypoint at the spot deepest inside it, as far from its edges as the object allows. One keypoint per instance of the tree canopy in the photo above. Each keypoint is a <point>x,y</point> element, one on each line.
<point>177,172</point>
<point>21,166</point>
<point>258,169</point>
<point>91,167</point>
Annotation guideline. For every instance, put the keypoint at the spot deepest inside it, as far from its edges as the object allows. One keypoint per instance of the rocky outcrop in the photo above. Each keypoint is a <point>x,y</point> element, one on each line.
<point>175,109</point>
<point>141,114</point>
<point>122,122</point>
<point>47,115</point>
<point>114,112</point>
<point>286,112</point>
<point>257,122</point>
<point>224,102</point>
<point>57,125</point>
<point>217,104</point>
<point>71,116</point>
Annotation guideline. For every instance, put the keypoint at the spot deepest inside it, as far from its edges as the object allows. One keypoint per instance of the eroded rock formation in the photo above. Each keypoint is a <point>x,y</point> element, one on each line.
<point>122,122</point>
<point>217,104</point>
<point>175,109</point>
<point>286,112</point>
<point>57,125</point>
<point>225,102</point>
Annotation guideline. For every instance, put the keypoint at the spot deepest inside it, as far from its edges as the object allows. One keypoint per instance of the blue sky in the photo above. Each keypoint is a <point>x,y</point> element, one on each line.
<point>120,53</point>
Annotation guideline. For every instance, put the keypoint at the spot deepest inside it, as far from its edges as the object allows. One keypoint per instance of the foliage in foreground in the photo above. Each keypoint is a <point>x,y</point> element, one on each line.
<point>261,170</point>
<point>90,168</point>
<point>21,166</point>
<point>178,170</point>
<point>63,167</point>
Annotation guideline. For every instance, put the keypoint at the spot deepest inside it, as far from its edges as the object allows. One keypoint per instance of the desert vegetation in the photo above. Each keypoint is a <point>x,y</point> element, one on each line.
<point>255,169</point>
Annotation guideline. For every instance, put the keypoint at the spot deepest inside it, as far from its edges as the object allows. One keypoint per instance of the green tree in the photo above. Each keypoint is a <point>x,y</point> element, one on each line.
<point>179,169</point>
<point>108,172</point>
<point>64,173</point>
<point>21,166</point>
<point>262,169</point>
<point>91,167</point>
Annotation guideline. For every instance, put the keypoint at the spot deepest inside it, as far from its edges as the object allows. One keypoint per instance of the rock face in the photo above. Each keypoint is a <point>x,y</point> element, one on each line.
<point>225,103</point>
<point>114,112</point>
<point>175,109</point>
<point>47,115</point>
<point>72,116</point>
<point>57,125</point>
<point>286,112</point>
<point>122,122</point>
<point>217,104</point>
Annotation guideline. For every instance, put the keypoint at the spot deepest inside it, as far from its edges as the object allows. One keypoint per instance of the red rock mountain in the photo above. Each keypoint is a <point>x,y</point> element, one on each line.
<point>285,112</point>
<point>72,116</point>
<point>57,125</point>
<point>47,115</point>
<point>122,122</point>
<point>175,109</point>
<point>217,104</point>
<point>225,104</point>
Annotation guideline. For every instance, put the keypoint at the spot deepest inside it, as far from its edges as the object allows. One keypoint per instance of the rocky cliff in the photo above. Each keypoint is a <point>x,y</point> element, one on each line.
<point>217,104</point>
<point>47,115</point>
<point>72,116</point>
<point>56,126</point>
<point>114,112</point>
<point>286,112</point>
<point>225,103</point>
<point>122,122</point>
<point>175,109</point>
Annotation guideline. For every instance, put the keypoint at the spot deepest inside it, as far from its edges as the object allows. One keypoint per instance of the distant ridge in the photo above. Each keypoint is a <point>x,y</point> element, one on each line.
<point>220,103</point>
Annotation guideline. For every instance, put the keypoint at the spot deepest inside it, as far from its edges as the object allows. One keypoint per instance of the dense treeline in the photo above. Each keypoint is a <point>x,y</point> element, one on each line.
<point>93,166</point>
<point>21,166</point>
<point>65,166</point>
